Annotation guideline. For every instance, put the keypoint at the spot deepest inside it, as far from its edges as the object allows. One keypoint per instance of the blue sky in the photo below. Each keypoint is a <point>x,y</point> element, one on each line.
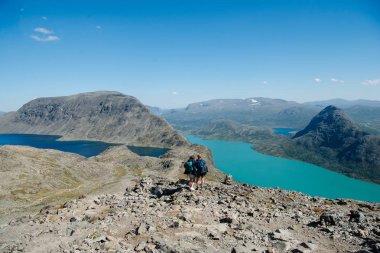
<point>171,53</point>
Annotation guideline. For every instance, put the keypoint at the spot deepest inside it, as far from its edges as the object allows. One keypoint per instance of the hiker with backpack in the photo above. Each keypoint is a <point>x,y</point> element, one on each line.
<point>190,171</point>
<point>201,170</point>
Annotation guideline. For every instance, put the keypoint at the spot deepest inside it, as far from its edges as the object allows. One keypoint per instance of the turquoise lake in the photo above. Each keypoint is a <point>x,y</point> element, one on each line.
<point>249,166</point>
<point>284,131</point>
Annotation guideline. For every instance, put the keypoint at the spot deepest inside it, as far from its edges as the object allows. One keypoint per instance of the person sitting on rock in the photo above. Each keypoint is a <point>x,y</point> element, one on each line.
<point>228,179</point>
<point>190,171</point>
<point>201,170</point>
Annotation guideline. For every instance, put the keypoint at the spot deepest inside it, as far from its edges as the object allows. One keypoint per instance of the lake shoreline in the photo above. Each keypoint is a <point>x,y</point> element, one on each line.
<point>351,188</point>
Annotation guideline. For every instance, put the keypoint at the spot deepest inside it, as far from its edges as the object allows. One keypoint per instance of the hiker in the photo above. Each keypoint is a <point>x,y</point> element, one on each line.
<point>202,170</point>
<point>190,171</point>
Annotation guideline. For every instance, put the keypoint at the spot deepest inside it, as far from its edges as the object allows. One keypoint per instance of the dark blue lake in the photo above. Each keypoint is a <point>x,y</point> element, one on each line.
<point>83,148</point>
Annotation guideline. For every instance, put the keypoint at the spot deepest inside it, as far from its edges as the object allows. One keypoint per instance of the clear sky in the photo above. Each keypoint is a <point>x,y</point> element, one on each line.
<point>171,53</point>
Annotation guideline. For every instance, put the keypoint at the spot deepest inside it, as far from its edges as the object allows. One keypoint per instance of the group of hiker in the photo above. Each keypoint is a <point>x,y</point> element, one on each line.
<point>196,170</point>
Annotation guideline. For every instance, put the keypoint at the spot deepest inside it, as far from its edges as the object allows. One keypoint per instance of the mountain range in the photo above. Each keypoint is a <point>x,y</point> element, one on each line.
<point>100,116</point>
<point>271,113</point>
<point>343,103</point>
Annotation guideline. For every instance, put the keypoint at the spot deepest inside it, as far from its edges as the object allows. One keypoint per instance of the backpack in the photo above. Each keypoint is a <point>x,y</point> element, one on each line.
<point>202,167</point>
<point>188,167</point>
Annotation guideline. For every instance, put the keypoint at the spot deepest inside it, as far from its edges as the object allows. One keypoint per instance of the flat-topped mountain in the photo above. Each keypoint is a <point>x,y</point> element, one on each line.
<point>104,116</point>
<point>332,135</point>
<point>255,111</point>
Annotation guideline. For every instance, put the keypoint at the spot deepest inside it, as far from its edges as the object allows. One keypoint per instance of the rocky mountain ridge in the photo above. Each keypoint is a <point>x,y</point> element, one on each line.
<point>158,214</point>
<point>332,135</point>
<point>102,116</point>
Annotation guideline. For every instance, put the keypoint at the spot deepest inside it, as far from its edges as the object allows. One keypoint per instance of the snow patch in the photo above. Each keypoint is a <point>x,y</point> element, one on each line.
<point>254,102</point>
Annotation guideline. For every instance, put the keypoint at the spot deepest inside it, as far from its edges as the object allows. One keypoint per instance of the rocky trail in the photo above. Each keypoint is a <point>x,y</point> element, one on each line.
<point>157,214</point>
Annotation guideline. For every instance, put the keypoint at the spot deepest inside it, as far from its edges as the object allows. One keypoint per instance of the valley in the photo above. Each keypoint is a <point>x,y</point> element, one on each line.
<point>119,201</point>
<point>355,154</point>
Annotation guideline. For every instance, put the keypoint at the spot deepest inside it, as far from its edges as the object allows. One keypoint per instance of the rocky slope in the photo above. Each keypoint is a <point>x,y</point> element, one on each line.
<point>332,135</point>
<point>161,215</point>
<point>32,177</point>
<point>105,116</point>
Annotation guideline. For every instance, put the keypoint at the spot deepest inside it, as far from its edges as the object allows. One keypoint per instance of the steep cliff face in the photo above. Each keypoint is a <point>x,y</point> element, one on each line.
<point>105,116</point>
<point>332,135</point>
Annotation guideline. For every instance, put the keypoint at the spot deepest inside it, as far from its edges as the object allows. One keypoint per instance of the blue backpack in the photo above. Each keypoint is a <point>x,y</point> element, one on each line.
<point>201,166</point>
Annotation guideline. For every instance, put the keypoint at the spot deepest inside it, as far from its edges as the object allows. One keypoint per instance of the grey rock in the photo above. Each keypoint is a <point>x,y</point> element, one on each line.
<point>226,220</point>
<point>328,219</point>
<point>157,191</point>
<point>186,217</point>
<point>142,229</point>
<point>70,231</point>
<point>282,234</point>
<point>140,246</point>
<point>309,245</point>
<point>356,216</point>
<point>152,229</point>
<point>281,246</point>
<point>74,219</point>
<point>240,249</point>
<point>101,239</point>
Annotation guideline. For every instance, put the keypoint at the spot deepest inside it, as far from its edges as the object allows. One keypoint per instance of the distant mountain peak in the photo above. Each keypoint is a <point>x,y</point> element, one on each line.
<point>336,141</point>
<point>331,108</point>
<point>330,128</point>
